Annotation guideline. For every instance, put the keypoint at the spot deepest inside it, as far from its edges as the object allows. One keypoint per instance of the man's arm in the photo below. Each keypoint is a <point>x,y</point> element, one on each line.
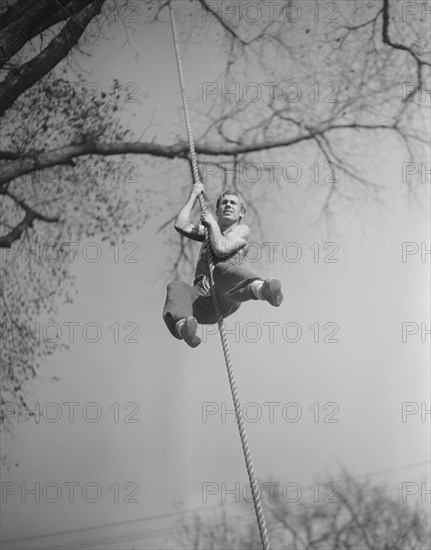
<point>224,245</point>
<point>183,222</point>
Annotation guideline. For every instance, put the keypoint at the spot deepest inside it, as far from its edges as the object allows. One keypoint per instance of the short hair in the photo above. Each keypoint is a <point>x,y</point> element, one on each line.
<point>231,192</point>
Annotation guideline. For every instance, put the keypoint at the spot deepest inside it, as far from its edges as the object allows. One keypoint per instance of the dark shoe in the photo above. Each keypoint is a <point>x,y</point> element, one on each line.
<point>271,292</point>
<point>188,332</point>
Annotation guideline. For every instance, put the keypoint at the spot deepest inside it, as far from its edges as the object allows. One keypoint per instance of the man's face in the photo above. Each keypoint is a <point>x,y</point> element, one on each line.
<point>229,209</point>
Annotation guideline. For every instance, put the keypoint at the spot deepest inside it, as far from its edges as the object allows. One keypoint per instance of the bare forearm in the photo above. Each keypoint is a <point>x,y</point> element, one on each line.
<point>184,215</point>
<point>183,220</point>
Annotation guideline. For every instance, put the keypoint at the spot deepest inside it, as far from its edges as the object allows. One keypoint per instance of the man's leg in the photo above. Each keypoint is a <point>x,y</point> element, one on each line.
<point>186,306</point>
<point>237,284</point>
<point>178,312</point>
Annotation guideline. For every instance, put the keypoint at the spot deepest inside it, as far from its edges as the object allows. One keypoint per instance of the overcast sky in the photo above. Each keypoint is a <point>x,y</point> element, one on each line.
<point>150,432</point>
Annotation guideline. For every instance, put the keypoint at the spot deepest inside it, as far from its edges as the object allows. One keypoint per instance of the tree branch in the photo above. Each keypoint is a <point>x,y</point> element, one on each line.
<point>9,155</point>
<point>30,216</point>
<point>16,82</point>
<point>27,19</point>
<point>398,46</point>
<point>64,155</point>
<point>222,22</point>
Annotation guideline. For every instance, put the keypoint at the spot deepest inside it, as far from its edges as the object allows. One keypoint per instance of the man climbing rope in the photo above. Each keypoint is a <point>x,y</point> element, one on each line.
<point>186,305</point>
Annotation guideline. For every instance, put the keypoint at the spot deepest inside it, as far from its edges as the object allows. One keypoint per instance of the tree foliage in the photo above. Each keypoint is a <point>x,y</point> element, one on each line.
<point>353,515</point>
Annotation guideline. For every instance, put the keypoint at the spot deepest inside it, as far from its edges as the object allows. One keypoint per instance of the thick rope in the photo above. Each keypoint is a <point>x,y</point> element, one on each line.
<point>222,329</point>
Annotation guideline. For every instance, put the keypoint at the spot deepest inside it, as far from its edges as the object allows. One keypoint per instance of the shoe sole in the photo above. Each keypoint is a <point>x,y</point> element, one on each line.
<point>271,291</point>
<point>189,332</point>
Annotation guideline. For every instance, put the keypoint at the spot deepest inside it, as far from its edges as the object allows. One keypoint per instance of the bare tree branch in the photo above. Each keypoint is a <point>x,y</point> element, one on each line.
<point>64,155</point>
<point>30,216</point>
<point>223,23</point>
<point>27,19</point>
<point>16,82</point>
<point>398,46</point>
<point>9,155</point>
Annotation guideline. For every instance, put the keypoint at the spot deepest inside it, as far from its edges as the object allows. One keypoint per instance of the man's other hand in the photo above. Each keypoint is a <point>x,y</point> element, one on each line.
<point>208,219</point>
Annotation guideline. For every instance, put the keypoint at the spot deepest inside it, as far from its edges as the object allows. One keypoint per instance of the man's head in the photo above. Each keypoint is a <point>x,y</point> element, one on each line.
<point>230,205</point>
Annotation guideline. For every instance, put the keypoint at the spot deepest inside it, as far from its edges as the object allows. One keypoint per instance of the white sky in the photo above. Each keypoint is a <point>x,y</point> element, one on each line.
<point>169,453</point>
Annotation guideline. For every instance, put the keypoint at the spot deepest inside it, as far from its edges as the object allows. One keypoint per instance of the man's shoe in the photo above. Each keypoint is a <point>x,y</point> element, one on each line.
<point>271,292</point>
<point>188,332</point>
